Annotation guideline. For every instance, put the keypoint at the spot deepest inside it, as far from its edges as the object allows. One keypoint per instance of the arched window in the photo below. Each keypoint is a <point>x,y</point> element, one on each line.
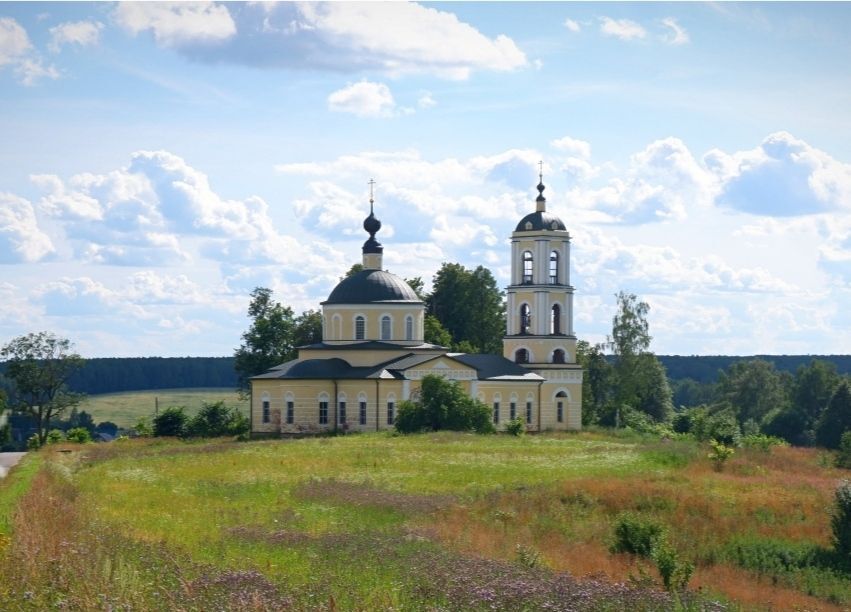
<point>525,318</point>
<point>558,356</point>
<point>391,409</point>
<point>527,267</point>
<point>337,327</point>
<point>409,327</point>
<point>385,327</point>
<point>266,408</point>
<point>360,328</point>
<point>561,396</point>
<point>554,268</point>
<point>341,406</point>
<point>323,408</point>
<point>362,408</point>
<point>290,399</point>
<point>521,356</point>
<point>555,320</point>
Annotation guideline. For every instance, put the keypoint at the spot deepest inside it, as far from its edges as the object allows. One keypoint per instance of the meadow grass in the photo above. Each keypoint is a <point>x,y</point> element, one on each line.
<point>376,521</point>
<point>124,409</point>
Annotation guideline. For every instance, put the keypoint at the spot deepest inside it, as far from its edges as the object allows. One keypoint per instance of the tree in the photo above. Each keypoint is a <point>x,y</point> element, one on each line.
<point>443,404</point>
<point>755,390</point>
<point>469,304</point>
<point>215,419</point>
<point>171,422</point>
<point>308,328</point>
<point>418,286</point>
<point>435,333</point>
<point>596,382</point>
<point>630,338</point>
<point>653,394</point>
<point>269,340</point>
<point>836,418</point>
<point>812,389</point>
<point>38,366</point>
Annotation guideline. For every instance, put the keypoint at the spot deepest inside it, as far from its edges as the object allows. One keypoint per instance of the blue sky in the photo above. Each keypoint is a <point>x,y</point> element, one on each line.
<point>159,160</point>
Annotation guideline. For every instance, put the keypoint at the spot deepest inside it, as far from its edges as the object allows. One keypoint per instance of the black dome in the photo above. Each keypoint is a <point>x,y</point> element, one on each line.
<point>540,220</point>
<point>369,286</point>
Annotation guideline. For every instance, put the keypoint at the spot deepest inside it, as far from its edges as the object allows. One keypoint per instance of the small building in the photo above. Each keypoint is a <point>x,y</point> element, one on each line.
<point>373,353</point>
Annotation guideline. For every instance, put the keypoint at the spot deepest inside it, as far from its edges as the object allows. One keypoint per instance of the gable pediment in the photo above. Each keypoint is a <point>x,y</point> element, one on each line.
<point>441,366</point>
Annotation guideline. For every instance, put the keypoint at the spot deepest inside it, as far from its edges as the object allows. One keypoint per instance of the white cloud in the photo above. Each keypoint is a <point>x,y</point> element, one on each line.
<point>624,29</point>
<point>364,99</point>
<point>784,176</point>
<point>80,33</point>
<point>426,100</point>
<point>177,23</point>
<point>572,146</point>
<point>16,51</point>
<point>14,42</point>
<point>21,239</point>
<point>571,25</point>
<point>401,37</point>
<point>677,34</point>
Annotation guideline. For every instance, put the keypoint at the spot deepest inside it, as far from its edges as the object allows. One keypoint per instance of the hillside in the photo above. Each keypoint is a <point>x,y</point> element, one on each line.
<point>427,521</point>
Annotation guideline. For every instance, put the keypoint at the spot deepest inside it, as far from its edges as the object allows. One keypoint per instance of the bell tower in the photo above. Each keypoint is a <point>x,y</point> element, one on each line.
<point>539,331</point>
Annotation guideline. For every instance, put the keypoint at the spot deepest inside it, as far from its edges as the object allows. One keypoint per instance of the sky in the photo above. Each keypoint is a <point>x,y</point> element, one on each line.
<point>160,160</point>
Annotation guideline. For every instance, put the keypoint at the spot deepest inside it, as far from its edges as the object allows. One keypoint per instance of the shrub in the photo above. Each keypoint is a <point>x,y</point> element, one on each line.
<point>443,405</point>
<point>215,419</point>
<point>843,458</point>
<point>762,442</point>
<point>675,574</point>
<point>719,454</point>
<point>410,418</point>
<point>527,556</point>
<point>78,435</point>
<point>54,436</point>
<point>840,522</point>
<point>143,428</point>
<point>33,442</point>
<point>170,422</point>
<point>515,427</point>
<point>636,535</point>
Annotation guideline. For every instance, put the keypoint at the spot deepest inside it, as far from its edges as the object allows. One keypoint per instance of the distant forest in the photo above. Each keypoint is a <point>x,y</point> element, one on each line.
<point>112,375</point>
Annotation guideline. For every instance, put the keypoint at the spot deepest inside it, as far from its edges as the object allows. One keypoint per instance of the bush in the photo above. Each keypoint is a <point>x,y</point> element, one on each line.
<point>443,405</point>
<point>54,436</point>
<point>33,443</point>
<point>840,522</point>
<point>515,427</point>
<point>78,435</point>
<point>143,428</point>
<point>843,457</point>
<point>675,574</point>
<point>636,535</point>
<point>170,422</point>
<point>214,420</point>
<point>762,442</point>
<point>719,454</point>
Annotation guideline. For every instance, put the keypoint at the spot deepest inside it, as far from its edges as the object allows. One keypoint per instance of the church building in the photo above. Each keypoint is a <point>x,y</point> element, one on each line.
<point>373,353</point>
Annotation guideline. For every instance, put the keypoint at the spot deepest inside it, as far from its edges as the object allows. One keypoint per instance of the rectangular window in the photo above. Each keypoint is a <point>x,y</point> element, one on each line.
<point>323,413</point>
<point>363,413</point>
<point>266,411</point>
<point>391,413</point>
<point>513,410</point>
<point>496,412</point>
<point>290,412</point>
<point>528,412</point>
<point>560,412</point>
<point>342,412</point>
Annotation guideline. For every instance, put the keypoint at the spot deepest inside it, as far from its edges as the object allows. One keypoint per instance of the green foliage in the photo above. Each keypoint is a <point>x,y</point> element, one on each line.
<point>843,457</point>
<point>719,454</point>
<point>527,556</point>
<point>33,443</point>
<point>762,442</point>
<point>435,333</point>
<point>687,392</point>
<point>596,381</point>
<point>38,367</point>
<point>214,420</point>
<point>791,425</point>
<point>836,418</point>
<point>469,304</point>
<point>143,427</point>
<point>54,436</point>
<point>754,389</point>
<point>443,405</point>
<point>170,422</point>
<point>711,423</point>
<point>636,535</point>
<point>770,555</point>
<point>308,328</point>
<point>79,435</point>
<point>812,389</point>
<point>840,521</point>
<point>269,341</point>
<point>516,427</point>
<point>675,573</point>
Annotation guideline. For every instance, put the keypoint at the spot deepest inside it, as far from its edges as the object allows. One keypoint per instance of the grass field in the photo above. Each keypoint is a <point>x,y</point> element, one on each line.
<point>124,409</point>
<point>433,521</point>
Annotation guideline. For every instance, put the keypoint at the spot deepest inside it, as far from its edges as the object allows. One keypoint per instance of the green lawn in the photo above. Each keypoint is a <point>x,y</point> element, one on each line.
<point>124,409</point>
